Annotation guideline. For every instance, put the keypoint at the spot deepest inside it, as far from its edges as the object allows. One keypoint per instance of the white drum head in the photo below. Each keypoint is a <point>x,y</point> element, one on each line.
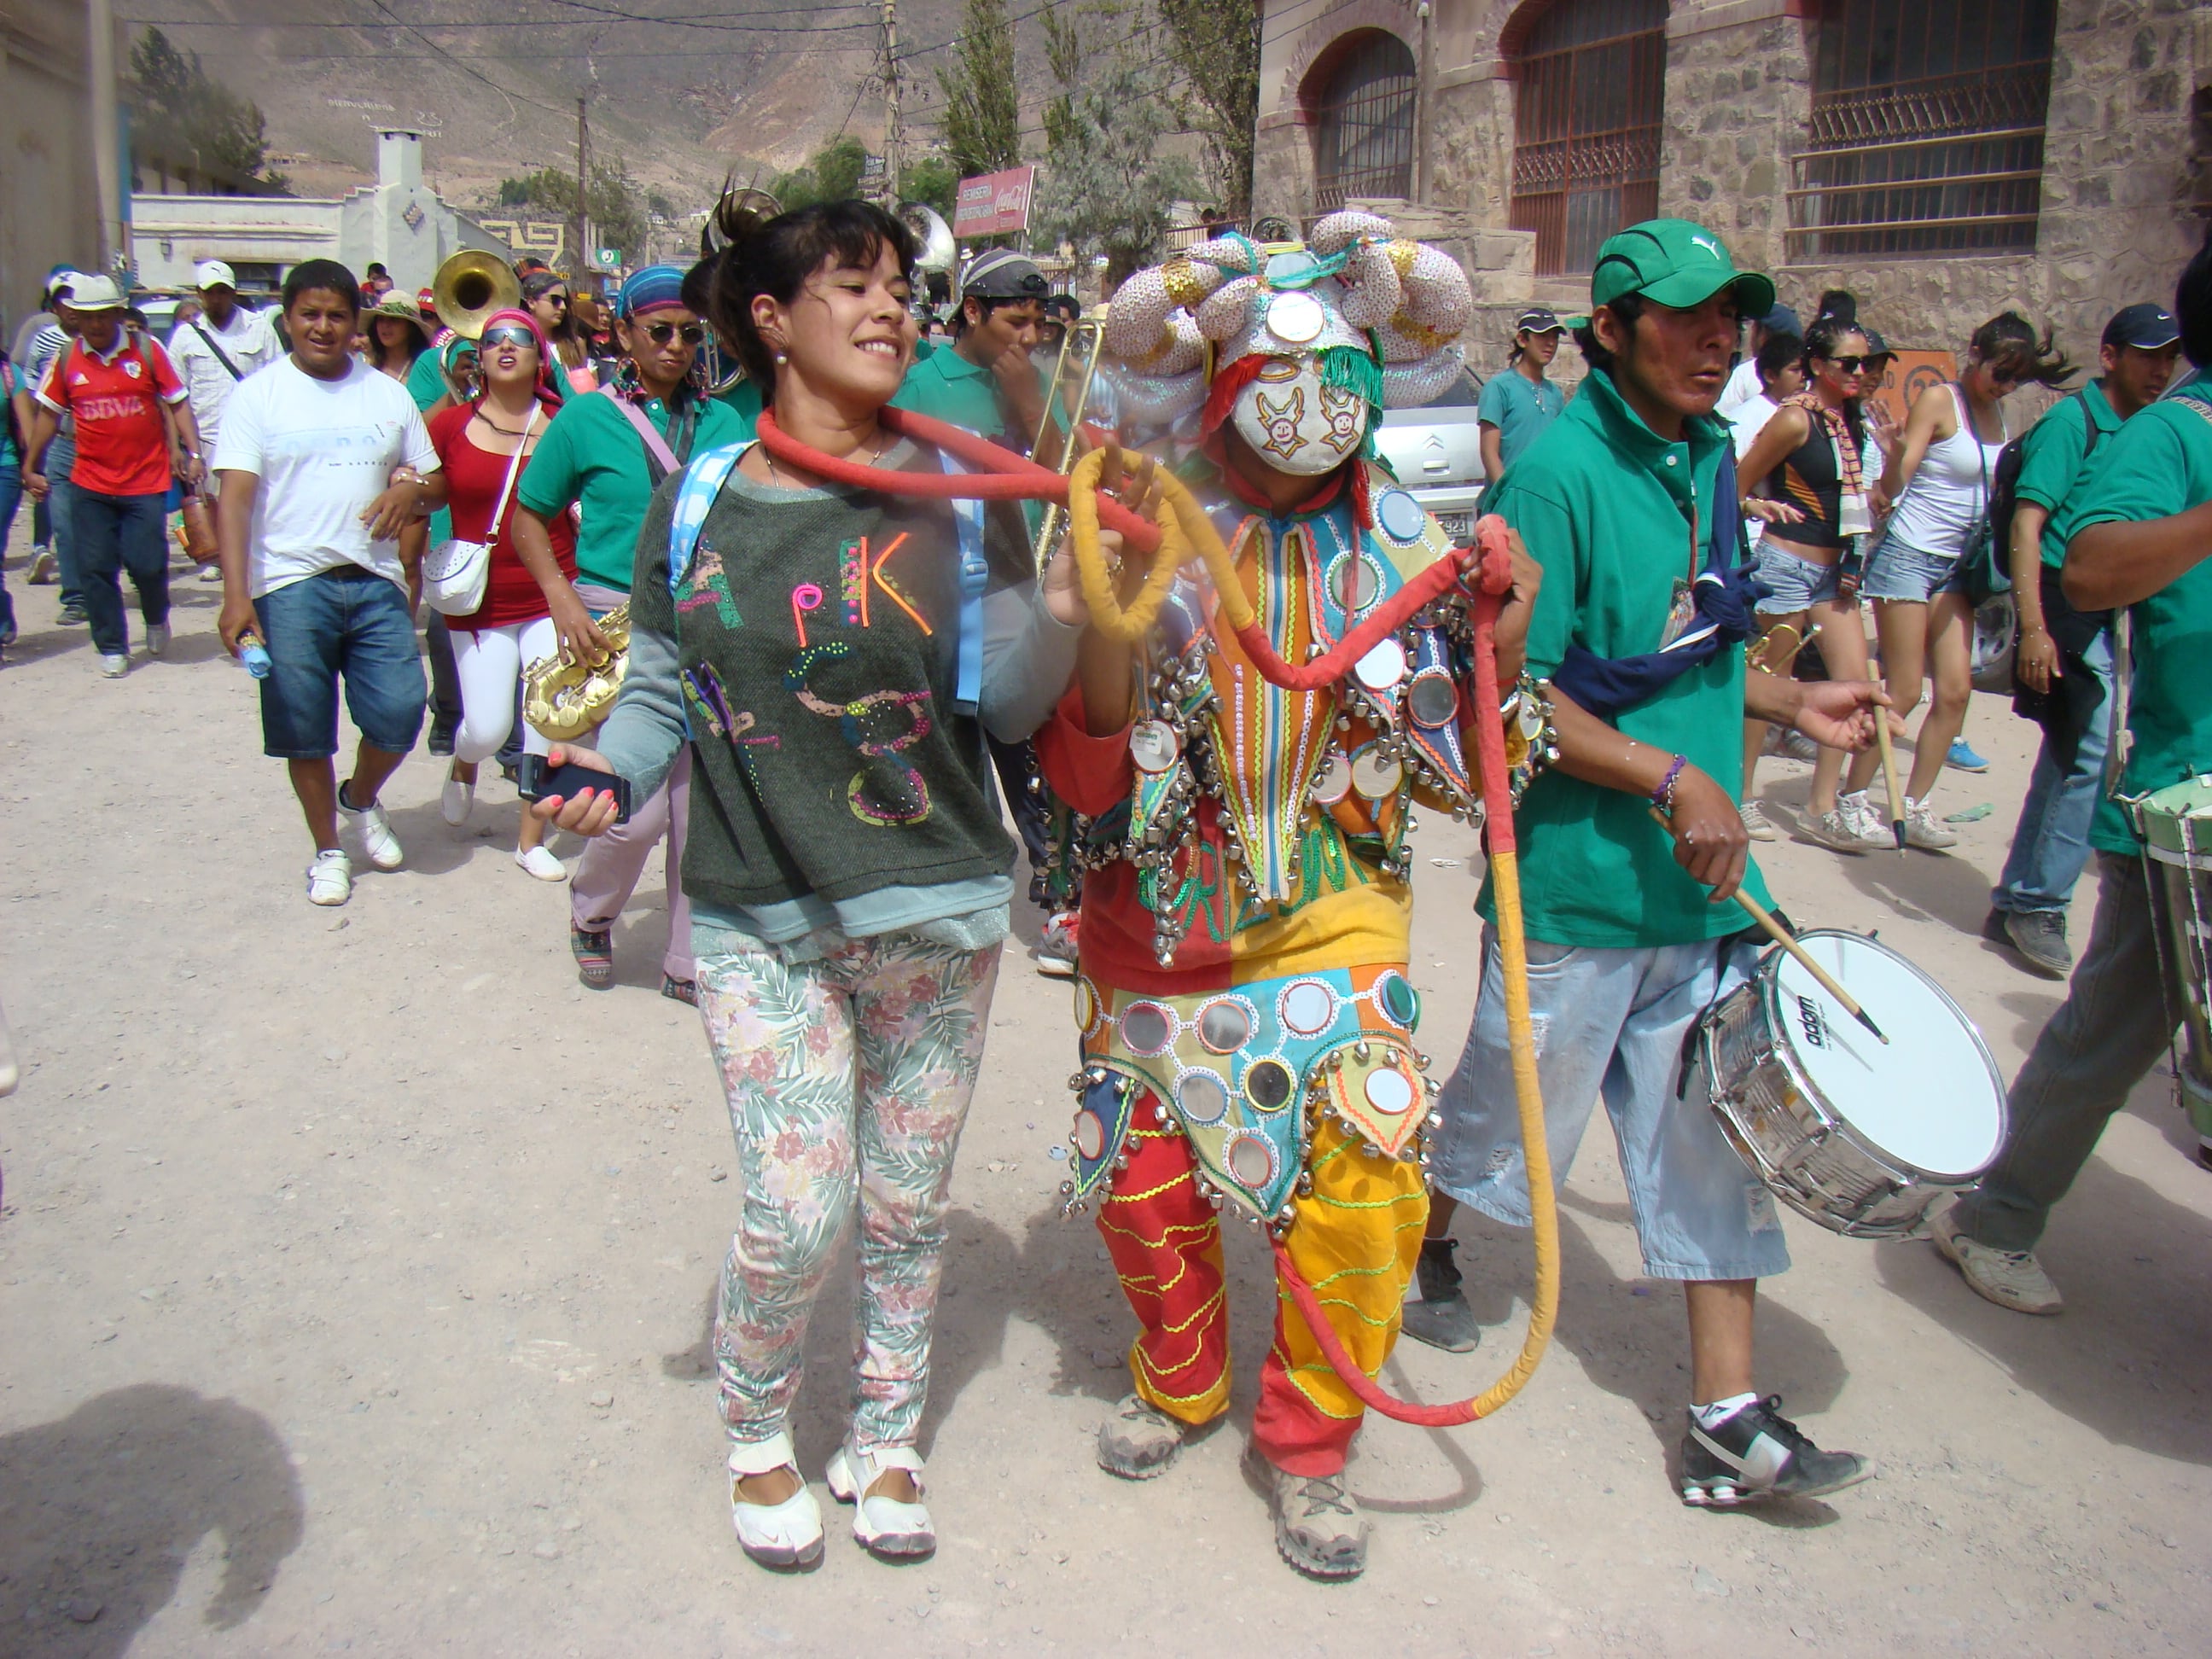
<point>1932,1097</point>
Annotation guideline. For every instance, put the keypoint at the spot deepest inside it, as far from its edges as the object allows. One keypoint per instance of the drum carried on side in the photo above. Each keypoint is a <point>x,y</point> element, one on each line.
<point>2175,823</point>
<point>1857,1135</point>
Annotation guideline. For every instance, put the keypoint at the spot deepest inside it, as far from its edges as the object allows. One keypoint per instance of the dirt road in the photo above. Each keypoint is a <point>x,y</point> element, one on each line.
<point>356,1266</point>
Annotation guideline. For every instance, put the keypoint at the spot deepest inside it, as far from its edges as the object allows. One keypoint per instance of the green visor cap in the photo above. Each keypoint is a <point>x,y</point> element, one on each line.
<point>1677,263</point>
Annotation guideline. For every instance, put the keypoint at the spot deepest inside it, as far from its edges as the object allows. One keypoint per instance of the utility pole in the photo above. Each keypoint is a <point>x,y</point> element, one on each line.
<point>583,176</point>
<point>108,161</point>
<point>892,103</point>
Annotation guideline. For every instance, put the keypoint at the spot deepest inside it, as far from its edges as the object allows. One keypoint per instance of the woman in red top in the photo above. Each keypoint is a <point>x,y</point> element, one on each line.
<point>482,447</point>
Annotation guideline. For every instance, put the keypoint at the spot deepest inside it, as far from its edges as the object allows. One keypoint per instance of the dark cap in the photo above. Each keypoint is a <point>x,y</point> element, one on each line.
<point>2147,327</point>
<point>999,273</point>
<point>1781,319</point>
<point>1538,320</point>
<point>1876,346</point>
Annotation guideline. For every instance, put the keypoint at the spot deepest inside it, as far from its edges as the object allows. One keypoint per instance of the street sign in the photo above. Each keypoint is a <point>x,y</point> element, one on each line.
<point>993,203</point>
<point>607,258</point>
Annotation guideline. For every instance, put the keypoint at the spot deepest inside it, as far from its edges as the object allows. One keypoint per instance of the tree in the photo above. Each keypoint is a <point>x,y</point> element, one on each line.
<point>178,115</point>
<point>1215,45</point>
<point>933,179</point>
<point>982,119</point>
<point>833,175</point>
<point>617,202</point>
<point>1107,188</point>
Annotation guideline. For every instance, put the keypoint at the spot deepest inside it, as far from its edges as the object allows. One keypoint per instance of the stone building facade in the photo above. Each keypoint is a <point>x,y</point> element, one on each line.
<point>2105,215</point>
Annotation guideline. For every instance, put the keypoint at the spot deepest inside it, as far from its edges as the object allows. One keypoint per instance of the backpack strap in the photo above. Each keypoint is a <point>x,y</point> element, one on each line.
<point>975,581</point>
<point>702,482</point>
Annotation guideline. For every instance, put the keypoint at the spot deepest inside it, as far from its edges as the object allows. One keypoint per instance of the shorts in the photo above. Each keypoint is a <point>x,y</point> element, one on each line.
<point>344,622</point>
<point>1610,1025</point>
<point>1798,584</point>
<point>1898,571</point>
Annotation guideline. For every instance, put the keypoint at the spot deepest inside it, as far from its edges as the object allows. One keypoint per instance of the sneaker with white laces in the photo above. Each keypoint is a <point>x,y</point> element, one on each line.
<point>41,574</point>
<point>1138,1441</point>
<point>1756,1452</point>
<point>890,1528</point>
<point>2011,1278</point>
<point>374,828</point>
<point>210,572</point>
<point>785,1535</point>
<point>1829,829</point>
<point>1755,821</point>
<point>157,639</point>
<point>330,878</point>
<point>1924,829</point>
<point>1864,819</point>
<point>540,862</point>
<point>456,799</point>
<point>113,665</point>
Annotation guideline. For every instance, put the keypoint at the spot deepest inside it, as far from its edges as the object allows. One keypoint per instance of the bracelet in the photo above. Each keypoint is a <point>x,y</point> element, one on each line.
<point>1664,796</point>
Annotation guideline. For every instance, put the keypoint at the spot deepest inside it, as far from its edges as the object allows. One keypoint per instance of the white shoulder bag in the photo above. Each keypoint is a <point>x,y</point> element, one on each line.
<point>455,571</point>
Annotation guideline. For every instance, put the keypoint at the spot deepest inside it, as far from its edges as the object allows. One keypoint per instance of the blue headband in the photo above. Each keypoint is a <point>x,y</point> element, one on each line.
<point>651,287</point>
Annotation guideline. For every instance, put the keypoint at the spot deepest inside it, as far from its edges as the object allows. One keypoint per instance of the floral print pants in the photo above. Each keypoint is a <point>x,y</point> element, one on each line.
<point>848,1074</point>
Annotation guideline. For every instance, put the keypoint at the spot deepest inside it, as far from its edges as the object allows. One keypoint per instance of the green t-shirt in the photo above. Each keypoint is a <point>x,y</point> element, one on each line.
<point>1605,506</point>
<point>2157,465</point>
<point>2054,457</point>
<point>426,382</point>
<point>591,457</point>
<point>743,400</point>
<point>945,387</point>
<point>1520,409</point>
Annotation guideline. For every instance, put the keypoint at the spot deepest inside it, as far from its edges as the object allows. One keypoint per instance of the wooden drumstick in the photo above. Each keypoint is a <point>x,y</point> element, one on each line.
<point>1889,776</point>
<point>1781,935</point>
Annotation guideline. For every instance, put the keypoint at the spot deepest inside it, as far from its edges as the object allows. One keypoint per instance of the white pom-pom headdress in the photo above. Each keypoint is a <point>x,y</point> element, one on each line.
<point>1381,313</point>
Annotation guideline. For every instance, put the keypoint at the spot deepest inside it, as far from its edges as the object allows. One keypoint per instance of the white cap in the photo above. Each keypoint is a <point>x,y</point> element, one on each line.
<point>91,293</point>
<point>213,273</point>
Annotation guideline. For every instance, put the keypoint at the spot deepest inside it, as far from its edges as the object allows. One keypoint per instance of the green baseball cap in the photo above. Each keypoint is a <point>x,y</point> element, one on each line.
<point>1674,262</point>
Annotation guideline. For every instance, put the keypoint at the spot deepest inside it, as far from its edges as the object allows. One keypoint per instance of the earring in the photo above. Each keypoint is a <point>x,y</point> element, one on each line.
<point>780,358</point>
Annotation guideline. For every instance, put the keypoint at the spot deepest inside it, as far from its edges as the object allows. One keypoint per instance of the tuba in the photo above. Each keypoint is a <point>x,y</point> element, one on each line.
<point>470,287</point>
<point>940,253</point>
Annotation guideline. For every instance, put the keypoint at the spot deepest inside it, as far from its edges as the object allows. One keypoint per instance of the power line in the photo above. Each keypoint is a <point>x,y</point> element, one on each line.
<point>457,64</point>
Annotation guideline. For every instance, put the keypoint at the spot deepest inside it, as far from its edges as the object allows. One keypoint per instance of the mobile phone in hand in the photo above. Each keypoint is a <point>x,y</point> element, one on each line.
<point>534,781</point>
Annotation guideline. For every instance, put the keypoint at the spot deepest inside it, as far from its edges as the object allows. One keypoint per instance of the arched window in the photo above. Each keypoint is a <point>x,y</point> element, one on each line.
<point>1592,76</point>
<point>1927,131</point>
<point>1364,122</point>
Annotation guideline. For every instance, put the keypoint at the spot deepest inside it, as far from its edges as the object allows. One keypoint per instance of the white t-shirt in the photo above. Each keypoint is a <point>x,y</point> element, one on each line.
<point>323,450</point>
<point>1742,386</point>
<point>250,344</point>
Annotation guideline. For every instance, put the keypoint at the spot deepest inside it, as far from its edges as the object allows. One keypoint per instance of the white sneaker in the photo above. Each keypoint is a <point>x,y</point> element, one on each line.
<point>42,568</point>
<point>786,1534</point>
<point>1860,817</point>
<point>114,665</point>
<point>2011,1278</point>
<point>330,879</point>
<point>210,572</point>
<point>539,861</point>
<point>1755,821</point>
<point>884,1526</point>
<point>157,639</point>
<point>374,830</point>
<point>1923,829</point>
<point>456,801</point>
<point>1831,830</point>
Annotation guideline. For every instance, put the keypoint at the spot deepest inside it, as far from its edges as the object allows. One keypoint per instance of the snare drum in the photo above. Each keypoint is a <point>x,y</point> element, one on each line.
<point>2175,823</point>
<point>1859,1136</point>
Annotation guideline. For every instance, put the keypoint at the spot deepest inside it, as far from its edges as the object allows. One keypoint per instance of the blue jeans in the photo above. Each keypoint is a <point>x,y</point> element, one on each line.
<point>113,533</point>
<point>58,461</point>
<point>349,622</point>
<point>2051,843</point>
<point>11,492</point>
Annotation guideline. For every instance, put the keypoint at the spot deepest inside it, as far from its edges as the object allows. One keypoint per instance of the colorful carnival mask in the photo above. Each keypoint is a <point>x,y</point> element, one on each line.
<point>1300,424</point>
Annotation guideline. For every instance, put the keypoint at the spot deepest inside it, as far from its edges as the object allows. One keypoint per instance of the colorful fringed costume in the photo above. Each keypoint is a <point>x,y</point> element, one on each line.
<point>1246,1018</point>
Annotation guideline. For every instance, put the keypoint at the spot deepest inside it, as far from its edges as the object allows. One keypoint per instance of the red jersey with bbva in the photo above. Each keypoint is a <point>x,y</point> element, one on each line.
<point>122,444</point>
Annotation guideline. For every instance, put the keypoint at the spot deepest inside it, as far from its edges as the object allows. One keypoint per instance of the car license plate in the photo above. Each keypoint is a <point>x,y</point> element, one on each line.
<point>1457,526</point>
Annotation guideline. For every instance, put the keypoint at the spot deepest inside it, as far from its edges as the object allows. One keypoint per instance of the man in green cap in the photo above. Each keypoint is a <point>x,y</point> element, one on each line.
<point>1628,501</point>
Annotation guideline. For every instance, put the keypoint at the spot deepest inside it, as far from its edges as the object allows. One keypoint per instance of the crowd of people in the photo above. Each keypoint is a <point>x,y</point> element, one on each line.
<point>842,676</point>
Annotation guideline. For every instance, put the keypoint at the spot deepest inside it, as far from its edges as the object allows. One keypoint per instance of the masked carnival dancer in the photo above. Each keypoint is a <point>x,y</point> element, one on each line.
<point>1247,1020</point>
<point>1628,502</point>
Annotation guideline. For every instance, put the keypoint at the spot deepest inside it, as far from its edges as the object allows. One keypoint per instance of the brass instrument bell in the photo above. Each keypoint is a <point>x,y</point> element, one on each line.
<point>470,287</point>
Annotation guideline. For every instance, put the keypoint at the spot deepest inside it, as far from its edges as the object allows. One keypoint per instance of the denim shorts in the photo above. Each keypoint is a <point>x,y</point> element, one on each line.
<point>1610,1025</point>
<point>1798,584</point>
<point>349,622</point>
<point>1896,571</point>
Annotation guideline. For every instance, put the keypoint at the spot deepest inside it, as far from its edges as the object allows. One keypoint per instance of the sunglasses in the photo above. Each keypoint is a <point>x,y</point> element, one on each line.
<point>1854,365</point>
<point>553,299</point>
<point>661,333</point>
<point>509,335</point>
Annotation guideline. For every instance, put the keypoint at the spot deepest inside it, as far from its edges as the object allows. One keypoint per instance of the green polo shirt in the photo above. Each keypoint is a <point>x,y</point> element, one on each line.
<point>1520,409</point>
<point>592,458</point>
<point>1605,506</point>
<point>2054,457</point>
<point>426,382</point>
<point>2157,465</point>
<point>945,387</point>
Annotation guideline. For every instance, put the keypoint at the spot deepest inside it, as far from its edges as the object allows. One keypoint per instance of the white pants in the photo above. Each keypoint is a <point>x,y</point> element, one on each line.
<point>488,662</point>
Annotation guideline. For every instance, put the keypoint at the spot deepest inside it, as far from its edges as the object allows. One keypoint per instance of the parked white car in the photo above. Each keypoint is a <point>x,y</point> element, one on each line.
<point>1437,452</point>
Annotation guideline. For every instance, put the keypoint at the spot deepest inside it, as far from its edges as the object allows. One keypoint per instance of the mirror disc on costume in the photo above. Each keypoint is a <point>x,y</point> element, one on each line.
<point>1295,317</point>
<point>1431,698</point>
<point>1399,517</point>
<point>1225,1026</point>
<point>1399,1003</point>
<point>1388,1092</point>
<point>1090,1136</point>
<point>1382,668</point>
<point>1334,782</point>
<point>1146,1028</point>
<point>1375,774</point>
<point>1203,1097</point>
<point>1354,582</point>
<point>1268,1084</point>
<point>1154,745</point>
<point>1086,1006</point>
<point>1251,1160</point>
<point>1308,1007</point>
